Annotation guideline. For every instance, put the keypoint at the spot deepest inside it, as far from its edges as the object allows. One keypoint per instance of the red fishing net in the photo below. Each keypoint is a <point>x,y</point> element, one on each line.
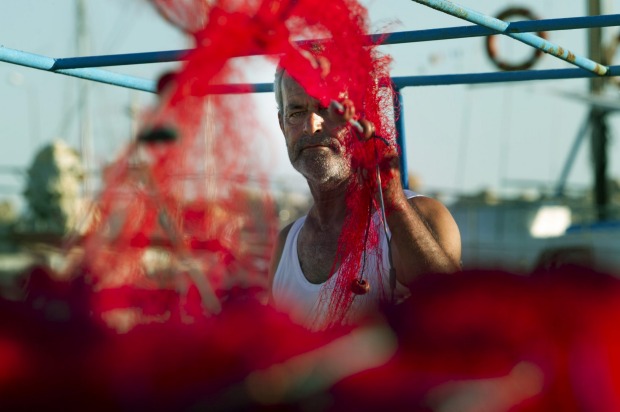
<point>189,193</point>
<point>180,212</point>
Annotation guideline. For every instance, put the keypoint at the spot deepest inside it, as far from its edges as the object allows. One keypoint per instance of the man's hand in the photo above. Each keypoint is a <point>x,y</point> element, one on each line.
<point>386,154</point>
<point>425,238</point>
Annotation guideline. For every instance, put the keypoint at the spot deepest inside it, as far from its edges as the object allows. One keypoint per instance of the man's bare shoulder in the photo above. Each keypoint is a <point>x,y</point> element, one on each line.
<point>283,235</point>
<point>441,222</point>
<point>428,206</point>
<point>277,252</point>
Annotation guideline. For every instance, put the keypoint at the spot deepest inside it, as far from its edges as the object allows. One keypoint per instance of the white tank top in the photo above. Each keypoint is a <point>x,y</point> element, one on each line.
<point>294,294</point>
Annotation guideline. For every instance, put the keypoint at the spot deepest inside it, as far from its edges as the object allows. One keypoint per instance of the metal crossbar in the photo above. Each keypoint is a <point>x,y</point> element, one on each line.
<point>86,67</point>
<point>403,37</point>
<point>37,61</point>
<point>40,62</point>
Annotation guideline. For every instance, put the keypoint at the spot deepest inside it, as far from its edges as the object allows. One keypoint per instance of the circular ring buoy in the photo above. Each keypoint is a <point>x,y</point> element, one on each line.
<point>491,42</point>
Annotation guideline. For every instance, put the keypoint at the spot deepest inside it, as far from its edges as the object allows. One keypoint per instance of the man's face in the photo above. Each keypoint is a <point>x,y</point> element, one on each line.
<point>314,138</point>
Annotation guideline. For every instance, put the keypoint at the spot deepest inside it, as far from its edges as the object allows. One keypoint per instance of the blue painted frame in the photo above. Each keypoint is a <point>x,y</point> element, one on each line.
<point>88,67</point>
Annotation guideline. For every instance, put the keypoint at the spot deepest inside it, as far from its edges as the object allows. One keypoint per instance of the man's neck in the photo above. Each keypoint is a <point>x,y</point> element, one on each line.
<point>330,206</point>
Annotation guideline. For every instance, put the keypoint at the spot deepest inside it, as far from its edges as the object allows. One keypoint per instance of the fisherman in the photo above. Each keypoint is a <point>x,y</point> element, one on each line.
<point>423,236</point>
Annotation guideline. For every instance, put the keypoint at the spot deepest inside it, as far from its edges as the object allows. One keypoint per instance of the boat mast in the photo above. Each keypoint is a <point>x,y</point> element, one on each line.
<point>598,140</point>
<point>85,123</point>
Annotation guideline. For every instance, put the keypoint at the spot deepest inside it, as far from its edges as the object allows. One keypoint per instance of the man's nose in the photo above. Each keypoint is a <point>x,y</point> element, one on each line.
<point>314,123</point>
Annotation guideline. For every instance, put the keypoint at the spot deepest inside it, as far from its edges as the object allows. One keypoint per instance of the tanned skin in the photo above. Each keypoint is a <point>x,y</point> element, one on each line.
<point>425,237</point>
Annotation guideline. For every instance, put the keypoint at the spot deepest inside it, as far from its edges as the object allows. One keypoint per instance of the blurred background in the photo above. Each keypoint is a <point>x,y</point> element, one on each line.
<point>508,159</point>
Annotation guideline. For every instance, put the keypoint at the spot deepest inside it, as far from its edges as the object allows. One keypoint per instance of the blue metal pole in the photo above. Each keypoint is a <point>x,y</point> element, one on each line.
<point>444,79</point>
<point>46,63</point>
<point>399,111</point>
<point>384,38</point>
<point>120,59</point>
<point>37,61</point>
<point>572,155</point>
<point>497,77</point>
<point>527,38</point>
<point>34,61</point>
<point>115,79</point>
<point>451,79</point>
<point>240,88</point>
<point>568,23</point>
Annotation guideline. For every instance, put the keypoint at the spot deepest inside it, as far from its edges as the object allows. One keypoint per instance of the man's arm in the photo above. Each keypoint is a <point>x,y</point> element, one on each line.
<point>275,257</point>
<point>425,237</point>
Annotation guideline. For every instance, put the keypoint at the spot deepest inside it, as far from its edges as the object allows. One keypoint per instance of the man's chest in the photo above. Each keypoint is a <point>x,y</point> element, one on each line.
<point>317,252</point>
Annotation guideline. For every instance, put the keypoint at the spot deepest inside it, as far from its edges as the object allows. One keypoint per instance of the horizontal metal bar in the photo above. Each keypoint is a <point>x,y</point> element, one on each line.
<point>240,88</point>
<point>497,77</point>
<point>414,36</point>
<point>35,61</point>
<point>443,79</point>
<point>45,63</point>
<point>525,26</point>
<point>115,79</point>
<point>527,38</point>
<point>40,62</point>
<point>120,59</point>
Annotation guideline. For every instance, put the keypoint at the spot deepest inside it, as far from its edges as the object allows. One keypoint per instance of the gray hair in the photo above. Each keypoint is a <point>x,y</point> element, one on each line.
<point>277,86</point>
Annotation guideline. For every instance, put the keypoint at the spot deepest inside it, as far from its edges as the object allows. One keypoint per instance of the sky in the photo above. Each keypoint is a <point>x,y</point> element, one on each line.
<point>460,139</point>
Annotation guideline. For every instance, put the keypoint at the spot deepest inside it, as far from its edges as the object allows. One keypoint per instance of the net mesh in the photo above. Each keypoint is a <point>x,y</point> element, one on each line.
<point>189,193</point>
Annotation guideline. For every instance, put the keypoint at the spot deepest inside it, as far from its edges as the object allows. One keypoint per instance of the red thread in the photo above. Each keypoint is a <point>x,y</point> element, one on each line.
<point>189,199</point>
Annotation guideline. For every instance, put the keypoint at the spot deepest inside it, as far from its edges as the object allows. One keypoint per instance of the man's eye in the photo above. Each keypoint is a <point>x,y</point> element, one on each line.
<point>296,117</point>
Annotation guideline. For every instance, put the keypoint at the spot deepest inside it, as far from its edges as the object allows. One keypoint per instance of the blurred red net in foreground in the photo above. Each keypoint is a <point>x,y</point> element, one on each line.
<point>465,342</point>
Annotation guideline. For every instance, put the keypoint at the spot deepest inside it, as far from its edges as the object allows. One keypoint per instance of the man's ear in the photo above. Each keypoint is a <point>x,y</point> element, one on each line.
<point>281,121</point>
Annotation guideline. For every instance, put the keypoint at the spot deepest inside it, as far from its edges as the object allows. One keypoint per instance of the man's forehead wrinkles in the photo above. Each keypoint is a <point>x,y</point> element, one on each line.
<point>295,105</point>
<point>297,94</point>
<point>298,100</point>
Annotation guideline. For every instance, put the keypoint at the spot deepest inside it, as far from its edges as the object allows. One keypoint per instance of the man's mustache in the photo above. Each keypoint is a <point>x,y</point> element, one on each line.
<point>318,141</point>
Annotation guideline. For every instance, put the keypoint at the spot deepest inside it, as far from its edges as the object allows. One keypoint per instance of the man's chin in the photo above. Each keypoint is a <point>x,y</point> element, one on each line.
<point>324,173</point>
